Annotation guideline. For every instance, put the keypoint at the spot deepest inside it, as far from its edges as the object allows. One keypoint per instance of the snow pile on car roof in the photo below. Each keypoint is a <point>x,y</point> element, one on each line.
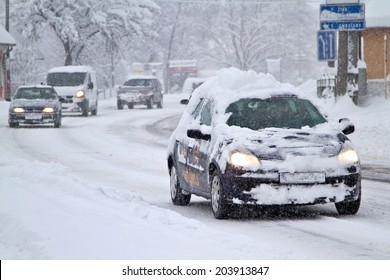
<point>71,69</point>
<point>232,84</point>
<point>232,81</point>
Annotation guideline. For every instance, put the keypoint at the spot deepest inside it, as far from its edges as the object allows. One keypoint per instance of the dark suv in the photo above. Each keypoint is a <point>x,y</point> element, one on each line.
<point>140,90</point>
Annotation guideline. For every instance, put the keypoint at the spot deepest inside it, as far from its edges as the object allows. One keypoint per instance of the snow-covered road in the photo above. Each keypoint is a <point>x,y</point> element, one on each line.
<point>98,188</point>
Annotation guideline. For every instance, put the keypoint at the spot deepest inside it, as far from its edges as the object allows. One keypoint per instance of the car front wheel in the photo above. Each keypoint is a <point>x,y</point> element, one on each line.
<point>349,207</point>
<point>85,109</point>
<point>177,195</point>
<point>57,122</point>
<point>218,201</point>
<point>160,103</point>
<point>13,124</point>
<point>150,103</point>
<point>119,105</point>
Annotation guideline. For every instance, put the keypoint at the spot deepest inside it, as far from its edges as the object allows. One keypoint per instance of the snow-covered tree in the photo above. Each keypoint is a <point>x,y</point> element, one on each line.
<point>77,22</point>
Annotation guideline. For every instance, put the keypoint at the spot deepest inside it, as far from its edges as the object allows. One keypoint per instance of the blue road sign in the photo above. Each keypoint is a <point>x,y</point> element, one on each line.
<point>340,12</point>
<point>326,45</point>
<point>343,25</point>
<point>342,17</point>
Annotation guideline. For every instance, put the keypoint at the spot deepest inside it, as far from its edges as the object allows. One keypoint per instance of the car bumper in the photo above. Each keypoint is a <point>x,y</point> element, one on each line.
<point>34,118</point>
<point>73,105</point>
<point>267,189</point>
<point>134,98</point>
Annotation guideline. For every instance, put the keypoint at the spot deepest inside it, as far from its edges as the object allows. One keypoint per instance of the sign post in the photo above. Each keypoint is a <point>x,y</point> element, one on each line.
<point>348,20</point>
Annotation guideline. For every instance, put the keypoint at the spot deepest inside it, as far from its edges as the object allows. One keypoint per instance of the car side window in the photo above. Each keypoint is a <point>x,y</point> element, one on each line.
<point>205,115</point>
<point>196,112</point>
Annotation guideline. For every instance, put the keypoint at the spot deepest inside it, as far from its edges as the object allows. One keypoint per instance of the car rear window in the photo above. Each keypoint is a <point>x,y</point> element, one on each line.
<point>139,83</point>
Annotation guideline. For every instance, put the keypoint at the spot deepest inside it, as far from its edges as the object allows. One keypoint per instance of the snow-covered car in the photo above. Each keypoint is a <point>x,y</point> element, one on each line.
<point>35,105</point>
<point>140,90</point>
<point>246,139</point>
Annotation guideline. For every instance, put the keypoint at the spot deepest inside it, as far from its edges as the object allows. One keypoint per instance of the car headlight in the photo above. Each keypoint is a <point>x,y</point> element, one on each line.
<point>244,159</point>
<point>80,94</point>
<point>18,110</point>
<point>348,154</point>
<point>48,110</point>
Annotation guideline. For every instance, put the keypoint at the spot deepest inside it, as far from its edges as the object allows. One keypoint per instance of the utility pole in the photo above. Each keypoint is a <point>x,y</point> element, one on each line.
<point>7,15</point>
<point>385,62</point>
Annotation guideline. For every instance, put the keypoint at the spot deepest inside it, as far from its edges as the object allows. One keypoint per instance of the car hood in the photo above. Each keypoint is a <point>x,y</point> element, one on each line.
<point>33,103</point>
<point>68,91</point>
<point>280,144</point>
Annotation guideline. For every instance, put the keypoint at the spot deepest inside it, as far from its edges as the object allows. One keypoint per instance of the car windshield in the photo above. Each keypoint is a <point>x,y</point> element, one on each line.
<point>35,93</point>
<point>66,79</point>
<point>138,83</point>
<point>279,112</point>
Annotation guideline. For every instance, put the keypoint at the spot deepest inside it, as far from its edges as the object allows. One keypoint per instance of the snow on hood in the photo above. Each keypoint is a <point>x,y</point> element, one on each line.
<point>33,103</point>
<point>290,150</point>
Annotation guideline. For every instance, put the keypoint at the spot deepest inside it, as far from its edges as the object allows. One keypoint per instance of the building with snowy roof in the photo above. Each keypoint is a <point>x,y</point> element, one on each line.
<point>6,44</point>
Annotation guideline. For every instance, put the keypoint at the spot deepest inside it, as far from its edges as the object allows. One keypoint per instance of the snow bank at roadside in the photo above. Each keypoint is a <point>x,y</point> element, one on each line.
<point>36,195</point>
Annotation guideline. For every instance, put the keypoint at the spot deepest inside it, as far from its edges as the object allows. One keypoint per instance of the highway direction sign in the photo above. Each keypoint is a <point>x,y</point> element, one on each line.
<point>326,45</point>
<point>343,25</point>
<point>341,12</point>
<point>342,17</point>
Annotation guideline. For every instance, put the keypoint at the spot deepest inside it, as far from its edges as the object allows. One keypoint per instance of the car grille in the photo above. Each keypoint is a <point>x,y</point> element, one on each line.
<point>34,110</point>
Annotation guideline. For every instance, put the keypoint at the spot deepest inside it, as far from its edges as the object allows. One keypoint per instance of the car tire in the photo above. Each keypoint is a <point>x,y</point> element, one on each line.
<point>177,195</point>
<point>57,122</point>
<point>130,105</point>
<point>85,109</point>
<point>94,111</point>
<point>349,207</point>
<point>160,103</point>
<point>218,202</point>
<point>150,103</point>
<point>13,124</point>
<point>119,104</point>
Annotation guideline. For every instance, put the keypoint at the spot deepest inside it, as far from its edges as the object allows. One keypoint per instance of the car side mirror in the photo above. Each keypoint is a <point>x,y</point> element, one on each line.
<point>90,85</point>
<point>184,101</point>
<point>346,126</point>
<point>8,99</point>
<point>197,134</point>
<point>61,99</point>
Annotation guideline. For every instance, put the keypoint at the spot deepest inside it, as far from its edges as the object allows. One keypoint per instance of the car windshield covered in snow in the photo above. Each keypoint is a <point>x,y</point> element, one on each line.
<point>66,79</point>
<point>138,83</point>
<point>35,93</point>
<point>279,112</point>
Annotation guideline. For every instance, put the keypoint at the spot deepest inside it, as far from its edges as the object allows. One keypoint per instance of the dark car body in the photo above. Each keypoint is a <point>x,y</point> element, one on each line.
<point>274,149</point>
<point>35,105</point>
<point>140,90</point>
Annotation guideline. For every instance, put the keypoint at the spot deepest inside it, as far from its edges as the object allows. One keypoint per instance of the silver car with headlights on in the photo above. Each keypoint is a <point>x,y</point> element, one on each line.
<point>35,105</point>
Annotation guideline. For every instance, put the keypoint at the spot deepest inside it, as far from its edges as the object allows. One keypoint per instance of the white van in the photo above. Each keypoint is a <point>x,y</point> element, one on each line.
<point>77,86</point>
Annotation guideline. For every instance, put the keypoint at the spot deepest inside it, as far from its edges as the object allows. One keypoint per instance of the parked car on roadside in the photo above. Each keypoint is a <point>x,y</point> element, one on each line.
<point>140,90</point>
<point>33,105</point>
<point>245,139</point>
